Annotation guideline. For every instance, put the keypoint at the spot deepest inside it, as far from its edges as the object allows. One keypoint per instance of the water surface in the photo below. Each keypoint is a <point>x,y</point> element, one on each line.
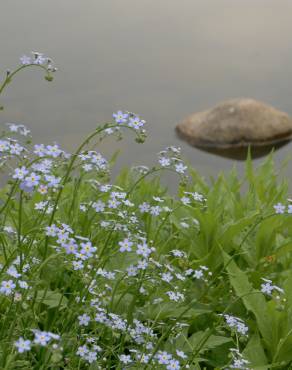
<point>163,59</point>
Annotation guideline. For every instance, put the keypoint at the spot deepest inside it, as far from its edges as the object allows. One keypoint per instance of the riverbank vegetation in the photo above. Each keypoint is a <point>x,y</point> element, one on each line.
<point>103,273</point>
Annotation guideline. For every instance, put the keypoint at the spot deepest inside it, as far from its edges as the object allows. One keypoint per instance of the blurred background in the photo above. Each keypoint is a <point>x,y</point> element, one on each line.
<point>162,59</point>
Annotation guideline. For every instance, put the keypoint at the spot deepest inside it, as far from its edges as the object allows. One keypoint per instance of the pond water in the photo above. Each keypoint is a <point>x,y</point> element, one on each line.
<point>163,59</point>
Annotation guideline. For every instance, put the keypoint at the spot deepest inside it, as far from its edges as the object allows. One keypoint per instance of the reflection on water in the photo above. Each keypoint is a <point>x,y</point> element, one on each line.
<point>240,153</point>
<point>163,59</point>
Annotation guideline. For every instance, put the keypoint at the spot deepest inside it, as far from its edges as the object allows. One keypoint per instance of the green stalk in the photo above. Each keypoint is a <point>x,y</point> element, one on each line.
<point>70,167</point>
<point>20,228</point>
<point>11,75</point>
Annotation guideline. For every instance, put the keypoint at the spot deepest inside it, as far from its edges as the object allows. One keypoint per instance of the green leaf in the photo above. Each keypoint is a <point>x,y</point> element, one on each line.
<point>284,249</point>
<point>265,238</point>
<point>254,352</point>
<point>169,310</point>
<point>272,323</point>
<point>233,228</point>
<point>254,301</point>
<point>51,299</point>
<point>213,341</point>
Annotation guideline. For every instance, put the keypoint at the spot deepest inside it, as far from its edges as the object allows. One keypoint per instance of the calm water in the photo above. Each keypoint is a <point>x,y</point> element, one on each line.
<point>163,59</point>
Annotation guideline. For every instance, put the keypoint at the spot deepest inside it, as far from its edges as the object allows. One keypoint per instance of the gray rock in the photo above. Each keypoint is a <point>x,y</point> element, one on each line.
<point>236,123</point>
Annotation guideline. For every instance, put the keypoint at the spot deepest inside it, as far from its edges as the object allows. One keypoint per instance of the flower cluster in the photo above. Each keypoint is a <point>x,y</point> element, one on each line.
<point>154,208</point>
<point>268,288</point>
<point>38,178</point>
<point>129,119</point>
<point>171,158</point>
<point>10,148</point>
<point>238,361</point>
<point>175,296</point>
<point>78,247</point>
<point>16,280</point>
<point>54,151</point>
<point>40,174</point>
<point>93,160</point>
<point>41,338</point>
<point>190,197</point>
<point>87,353</point>
<point>116,268</point>
<point>38,59</point>
<point>236,324</point>
<point>142,337</point>
<point>18,128</point>
<point>139,334</point>
<point>201,273</point>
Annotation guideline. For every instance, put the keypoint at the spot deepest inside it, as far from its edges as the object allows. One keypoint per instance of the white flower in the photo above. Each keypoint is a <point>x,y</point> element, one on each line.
<point>23,284</point>
<point>166,277</point>
<point>7,287</point>
<point>84,320</point>
<point>241,328</point>
<point>40,205</point>
<point>268,287</point>
<point>83,207</point>
<point>198,274</point>
<point>25,60</point>
<point>238,361</point>
<point>77,265</point>
<point>113,203</point>
<point>9,229</point>
<point>181,354</point>
<point>42,338</point>
<point>180,168</point>
<point>105,188</point>
<point>164,161</point>
<point>185,200</point>
<point>279,208</point>
<point>22,345</point>
<point>98,206</point>
<point>13,127</point>
<point>155,210</point>
<point>144,207</point>
<point>177,253</point>
<point>82,351</point>
<point>125,359</point>
<point>175,296</point>
<point>91,356</point>
<point>143,249</point>
<point>87,167</point>
<point>173,365</point>
<point>132,270</point>
<point>51,230</point>
<point>158,199</point>
<point>125,245</point>
<point>236,323</point>
<point>43,189</point>
<point>142,265</point>
<point>13,272</point>
<point>20,173</point>
<point>163,358</point>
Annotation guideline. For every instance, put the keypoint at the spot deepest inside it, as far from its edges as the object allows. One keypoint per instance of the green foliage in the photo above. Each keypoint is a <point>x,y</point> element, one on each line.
<point>235,233</point>
<point>141,278</point>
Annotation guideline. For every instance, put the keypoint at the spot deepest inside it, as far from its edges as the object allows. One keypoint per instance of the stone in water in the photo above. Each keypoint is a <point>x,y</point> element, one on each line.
<point>232,126</point>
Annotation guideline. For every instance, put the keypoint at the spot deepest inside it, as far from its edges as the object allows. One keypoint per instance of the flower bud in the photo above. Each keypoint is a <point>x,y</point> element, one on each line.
<point>49,78</point>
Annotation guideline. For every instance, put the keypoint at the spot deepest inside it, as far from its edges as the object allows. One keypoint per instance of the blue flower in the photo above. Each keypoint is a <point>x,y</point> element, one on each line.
<point>121,117</point>
<point>7,287</point>
<point>22,345</point>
